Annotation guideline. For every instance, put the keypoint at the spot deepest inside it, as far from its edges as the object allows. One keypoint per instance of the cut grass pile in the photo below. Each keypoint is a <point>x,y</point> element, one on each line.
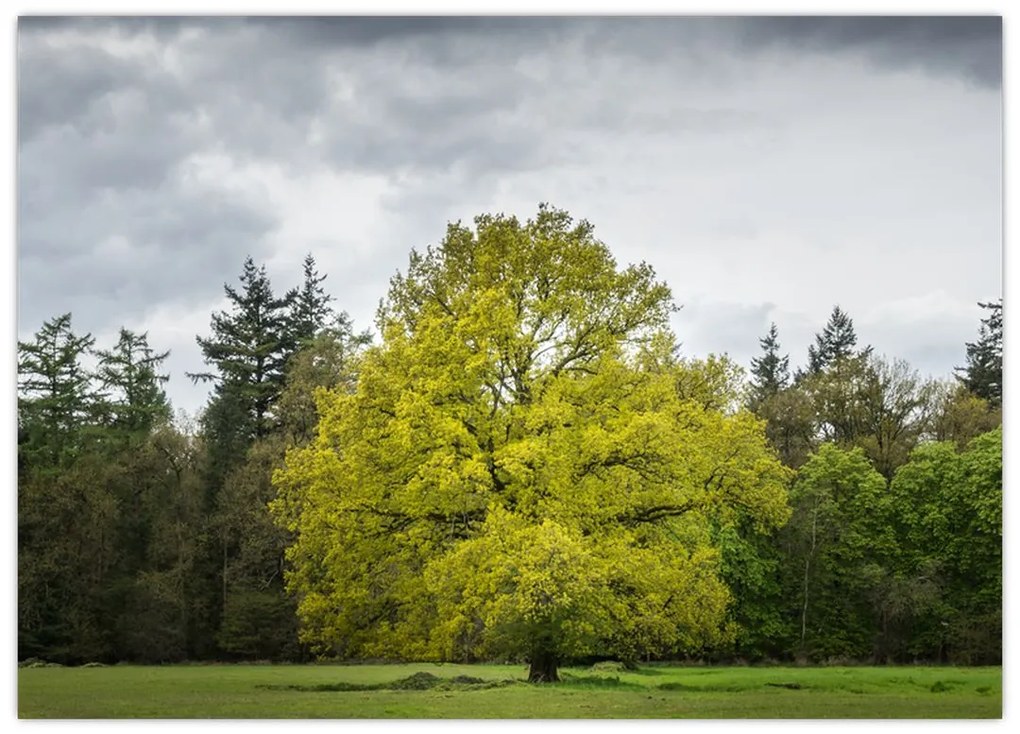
<point>423,691</point>
<point>420,681</point>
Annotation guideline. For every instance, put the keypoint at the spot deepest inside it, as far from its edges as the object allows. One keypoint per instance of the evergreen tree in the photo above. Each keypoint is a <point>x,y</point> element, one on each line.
<point>249,348</point>
<point>131,369</point>
<point>836,342</point>
<point>84,523</point>
<point>983,373</point>
<point>770,372</point>
<point>310,312</point>
<point>55,394</point>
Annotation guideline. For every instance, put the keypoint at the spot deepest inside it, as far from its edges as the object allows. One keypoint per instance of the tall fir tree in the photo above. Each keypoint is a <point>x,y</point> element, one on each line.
<point>249,348</point>
<point>983,373</point>
<point>835,342</point>
<point>770,372</point>
<point>310,310</point>
<point>131,369</point>
<point>56,398</point>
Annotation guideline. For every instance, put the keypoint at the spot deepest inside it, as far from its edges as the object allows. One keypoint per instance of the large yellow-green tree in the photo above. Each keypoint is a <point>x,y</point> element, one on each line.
<point>521,471</point>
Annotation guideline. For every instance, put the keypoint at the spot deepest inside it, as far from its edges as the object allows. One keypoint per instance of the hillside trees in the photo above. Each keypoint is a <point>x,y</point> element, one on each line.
<point>893,592</point>
<point>516,473</point>
<point>526,468</point>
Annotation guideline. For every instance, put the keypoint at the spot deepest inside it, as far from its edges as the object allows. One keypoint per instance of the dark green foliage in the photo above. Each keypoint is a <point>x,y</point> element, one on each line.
<point>790,424</point>
<point>56,397</point>
<point>241,557</point>
<point>899,573</point>
<point>310,310</point>
<point>750,565</point>
<point>838,528</point>
<point>258,617</point>
<point>836,342</point>
<point>249,347</point>
<point>770,373</point>
<point>983,373</point>
<point>259,625</point>
<point>130,377</point>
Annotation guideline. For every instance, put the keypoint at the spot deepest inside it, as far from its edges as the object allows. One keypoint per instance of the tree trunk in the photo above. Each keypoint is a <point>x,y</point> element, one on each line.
<point>543,667</point>
<point>807,568</point>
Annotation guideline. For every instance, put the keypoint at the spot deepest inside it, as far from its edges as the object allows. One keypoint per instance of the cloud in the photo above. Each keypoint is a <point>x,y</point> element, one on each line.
<point>966,46</point>
<point>752,161</point>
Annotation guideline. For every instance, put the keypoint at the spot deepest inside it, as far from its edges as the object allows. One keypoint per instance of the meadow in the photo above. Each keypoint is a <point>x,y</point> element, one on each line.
<point>426,691</point>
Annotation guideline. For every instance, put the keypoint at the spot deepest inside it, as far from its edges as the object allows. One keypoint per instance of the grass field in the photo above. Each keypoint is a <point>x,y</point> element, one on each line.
<point>288,691</point>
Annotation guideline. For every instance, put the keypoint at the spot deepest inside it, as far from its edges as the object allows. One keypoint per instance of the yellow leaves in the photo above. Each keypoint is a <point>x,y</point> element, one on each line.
<point>517,579</point>
<point>524,458</point>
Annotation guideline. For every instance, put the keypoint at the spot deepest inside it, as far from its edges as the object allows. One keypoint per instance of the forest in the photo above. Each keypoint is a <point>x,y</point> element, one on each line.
<point>521,464</point>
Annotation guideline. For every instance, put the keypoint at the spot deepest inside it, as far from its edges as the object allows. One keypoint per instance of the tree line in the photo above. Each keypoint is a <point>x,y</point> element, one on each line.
<point>146,539</point>
<point>525,466</point>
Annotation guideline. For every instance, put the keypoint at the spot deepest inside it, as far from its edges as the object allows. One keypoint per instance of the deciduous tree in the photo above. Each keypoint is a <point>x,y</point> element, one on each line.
<point>516,473</point>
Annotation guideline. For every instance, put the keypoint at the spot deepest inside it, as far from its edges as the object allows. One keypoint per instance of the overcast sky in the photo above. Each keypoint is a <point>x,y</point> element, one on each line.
<point>766,168</point>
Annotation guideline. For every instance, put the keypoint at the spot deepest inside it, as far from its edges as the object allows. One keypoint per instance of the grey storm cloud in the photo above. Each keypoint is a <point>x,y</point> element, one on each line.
<point>970,47</point>
<point>155,153</point>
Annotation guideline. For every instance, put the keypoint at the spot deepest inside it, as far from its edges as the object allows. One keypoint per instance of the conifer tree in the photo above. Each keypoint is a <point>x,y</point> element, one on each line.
<point>836,342</point>
<point>770,372</point>
<point>55,394</point>
<point>983,373</point>
<point>310,312</point>
<point>131,369</point>
<point>249,348</point>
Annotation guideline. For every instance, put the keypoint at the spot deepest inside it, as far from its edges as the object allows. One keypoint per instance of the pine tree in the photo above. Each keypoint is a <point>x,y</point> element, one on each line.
<point>249,348</point>
<point>56,399</point>
<point>131,369</point>
<point>983,373</point>
<point>836,342</point>
<point>310,312</point>
<point>770,372</point>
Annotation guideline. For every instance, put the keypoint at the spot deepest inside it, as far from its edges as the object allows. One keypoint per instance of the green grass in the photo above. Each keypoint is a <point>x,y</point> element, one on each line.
<point>289,691</point>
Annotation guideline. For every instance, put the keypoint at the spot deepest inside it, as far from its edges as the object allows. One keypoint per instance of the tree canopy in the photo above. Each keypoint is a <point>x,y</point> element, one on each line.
<point>526,467</point>
<point>517,473</point>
